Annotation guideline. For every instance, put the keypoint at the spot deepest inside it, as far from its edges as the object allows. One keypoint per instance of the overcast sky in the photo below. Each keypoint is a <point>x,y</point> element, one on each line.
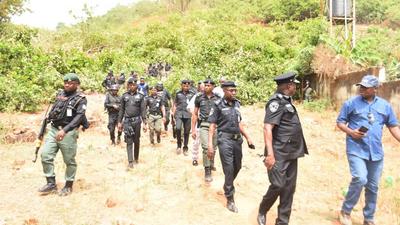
<point>48,13</point>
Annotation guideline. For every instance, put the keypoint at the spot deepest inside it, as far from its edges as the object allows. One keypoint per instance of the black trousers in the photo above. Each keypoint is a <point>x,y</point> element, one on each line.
<point>230,153</point>
<point>112,124</point>
<point>186,124</point>
<point>167,118</point>
<point>132,140</point>
<point>283,177</point>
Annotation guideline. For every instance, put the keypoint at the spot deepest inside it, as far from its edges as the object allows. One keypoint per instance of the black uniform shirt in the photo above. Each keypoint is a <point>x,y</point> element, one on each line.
<point>181,101</point>
<point>205,104</point>
<point>166,97</point>
<point>132,105</point>
<point>154,104</point>
<point>287,135</point>
<point>110,101</point>
<point>68,111</point>
<point>226,116</point>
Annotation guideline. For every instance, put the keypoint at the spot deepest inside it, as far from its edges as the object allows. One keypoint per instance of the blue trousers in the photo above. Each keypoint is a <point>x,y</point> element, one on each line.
<point>365,173</point>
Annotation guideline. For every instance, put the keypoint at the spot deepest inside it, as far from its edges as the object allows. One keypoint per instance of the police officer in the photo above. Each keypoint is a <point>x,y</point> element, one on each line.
<point>155,114</point>
<point>226,116</point>
<point>121,79</point>
<point>133,113</point>
<point>182,116</point>
<point>109,80</point>
<point>112,104</point>
<point>202,107</point>
<point>166,98</point>
<point>67,113</point>
<point>284,143</point>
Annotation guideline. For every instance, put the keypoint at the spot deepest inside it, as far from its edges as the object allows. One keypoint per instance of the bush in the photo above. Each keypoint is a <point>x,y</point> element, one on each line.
<point>318,105</point>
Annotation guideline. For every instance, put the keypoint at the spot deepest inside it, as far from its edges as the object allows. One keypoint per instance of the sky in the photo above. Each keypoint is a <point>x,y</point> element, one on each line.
<point>48,13</point>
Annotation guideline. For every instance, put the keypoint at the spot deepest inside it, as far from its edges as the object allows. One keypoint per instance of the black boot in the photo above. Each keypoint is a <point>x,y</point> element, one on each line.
<point>119,138</point>
<point>50,187</point>
<point>185,151</point>
<point>112,141</point>
<point>207,174</point>
<point>67,189</point>
<point>158,137</point>
<point>261,219</point>
<point>231,205</point>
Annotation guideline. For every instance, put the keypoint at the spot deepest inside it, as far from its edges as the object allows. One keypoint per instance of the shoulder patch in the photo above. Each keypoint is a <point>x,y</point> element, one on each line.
<point>273,107</point>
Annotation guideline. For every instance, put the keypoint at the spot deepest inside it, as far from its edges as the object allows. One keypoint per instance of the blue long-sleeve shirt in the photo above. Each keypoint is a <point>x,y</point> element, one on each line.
<point>357,112</point>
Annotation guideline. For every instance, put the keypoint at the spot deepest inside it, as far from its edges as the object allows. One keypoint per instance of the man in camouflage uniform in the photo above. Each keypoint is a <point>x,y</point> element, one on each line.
<point>65,117</point>
<point>112,104</point>
<point>155,114</point>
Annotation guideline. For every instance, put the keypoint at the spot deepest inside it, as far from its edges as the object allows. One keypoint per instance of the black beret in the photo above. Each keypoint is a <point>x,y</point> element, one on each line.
<point>286,78</point>
<point>71,77</point>
<point>132,80</point>
<point>185,81</point>
<point>228,84</point>
<point>209,81</point>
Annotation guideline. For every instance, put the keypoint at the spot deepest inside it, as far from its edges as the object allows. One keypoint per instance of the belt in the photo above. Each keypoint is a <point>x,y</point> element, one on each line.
<point>229,135</point>
<point>57,127</point>
<point>155,113</point>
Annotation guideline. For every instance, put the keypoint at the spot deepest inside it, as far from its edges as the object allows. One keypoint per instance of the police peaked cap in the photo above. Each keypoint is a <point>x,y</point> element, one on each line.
<point>132,80</point>
<point>185,81</point>
<point>71,77</point>
<point>209,81</point>
<point>228,84</point>
<point>287,77</point>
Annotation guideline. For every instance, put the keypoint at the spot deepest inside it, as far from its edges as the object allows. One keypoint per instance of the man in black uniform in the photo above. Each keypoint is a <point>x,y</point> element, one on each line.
<point>226,116</point>
<point>202,107</point>
<point>182,116</point>
<point>166,97</point>
<point>109,80</point>
<point>112,104</point>
<point>284,143</point>
<point>67,113</point>
<point>133,112</point>
<point>155,114</point>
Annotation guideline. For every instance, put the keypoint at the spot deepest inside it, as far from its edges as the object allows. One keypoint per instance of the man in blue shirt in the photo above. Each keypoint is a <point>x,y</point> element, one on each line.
<point>362,118</point>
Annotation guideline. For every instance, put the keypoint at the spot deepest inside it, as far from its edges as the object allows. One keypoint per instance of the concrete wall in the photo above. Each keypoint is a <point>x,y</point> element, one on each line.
<point>342,88</point>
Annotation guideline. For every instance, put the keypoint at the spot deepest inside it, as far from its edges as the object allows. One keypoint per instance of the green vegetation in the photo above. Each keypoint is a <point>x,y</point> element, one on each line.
<point>248,41</point>
<point>319,105</point>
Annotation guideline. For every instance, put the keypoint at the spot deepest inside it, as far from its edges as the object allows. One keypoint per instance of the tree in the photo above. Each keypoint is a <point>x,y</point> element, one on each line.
<point>10,7</point>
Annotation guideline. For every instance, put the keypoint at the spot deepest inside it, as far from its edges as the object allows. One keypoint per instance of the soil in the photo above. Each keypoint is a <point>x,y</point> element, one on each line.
<point>164,188</point>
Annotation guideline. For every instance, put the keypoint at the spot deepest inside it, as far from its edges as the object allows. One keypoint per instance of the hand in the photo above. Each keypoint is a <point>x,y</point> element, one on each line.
<point>269,161</point>
<point>164,120</point>
<point>119,127</point>
<point>194,134</point>
<point>145,127</point>
<point>210,152</point>
<point>60,135</point>
<point>115,107</point>
<point>356,134</point>
<point>250,144</point>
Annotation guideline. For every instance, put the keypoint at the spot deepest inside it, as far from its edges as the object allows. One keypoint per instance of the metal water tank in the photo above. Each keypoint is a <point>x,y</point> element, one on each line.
<point>338,8</point>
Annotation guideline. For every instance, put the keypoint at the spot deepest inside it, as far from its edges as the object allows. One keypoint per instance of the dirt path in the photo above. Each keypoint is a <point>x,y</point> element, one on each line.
<point>166,189</point>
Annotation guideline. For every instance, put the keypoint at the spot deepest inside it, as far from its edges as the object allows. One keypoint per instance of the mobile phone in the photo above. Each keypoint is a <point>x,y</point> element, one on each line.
<point>363,129</point>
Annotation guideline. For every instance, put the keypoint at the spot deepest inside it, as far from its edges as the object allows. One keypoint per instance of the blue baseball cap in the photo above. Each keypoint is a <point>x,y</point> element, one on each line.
<point>369,81</point>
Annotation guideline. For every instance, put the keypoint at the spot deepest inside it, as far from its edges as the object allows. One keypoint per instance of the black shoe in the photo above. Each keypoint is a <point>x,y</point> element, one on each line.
<point>113,142</point>
<point>185,151</point>
<point>231,205</point>
<point>261,220</point>
<point>50,187</point>
<point>207,174</point>
<point>130,165</point>
<point>135,162</point>
<point>195,163</point>
<point>152,142</point>
<point>213,168</point>
<point>158,139</point>
<point>67,189</point>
